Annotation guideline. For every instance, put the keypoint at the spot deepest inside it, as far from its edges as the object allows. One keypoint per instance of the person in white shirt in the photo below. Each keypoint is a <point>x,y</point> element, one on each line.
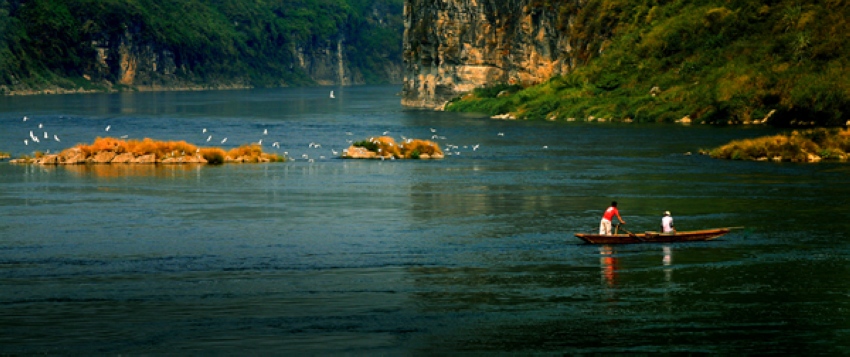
<point>667,223</point>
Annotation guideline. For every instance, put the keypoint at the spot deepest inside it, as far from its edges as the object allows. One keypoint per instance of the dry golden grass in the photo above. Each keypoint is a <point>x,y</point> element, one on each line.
<point>166,149</point>
<point>386,146</point>
<point>797,146</point>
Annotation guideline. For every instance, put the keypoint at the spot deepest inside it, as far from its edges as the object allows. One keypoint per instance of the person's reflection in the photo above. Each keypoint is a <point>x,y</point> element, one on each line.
<point>610,265</point>
<point>667,260</point>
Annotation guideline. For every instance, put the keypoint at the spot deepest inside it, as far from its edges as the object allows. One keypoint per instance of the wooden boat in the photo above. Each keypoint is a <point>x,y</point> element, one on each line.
<point>653,237</point>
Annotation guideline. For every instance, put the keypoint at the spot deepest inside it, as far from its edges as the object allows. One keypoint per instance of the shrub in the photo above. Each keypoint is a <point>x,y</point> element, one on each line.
<point>214,156</point>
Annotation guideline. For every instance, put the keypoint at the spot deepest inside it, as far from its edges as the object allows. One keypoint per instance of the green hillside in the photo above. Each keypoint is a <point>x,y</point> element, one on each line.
<point>716,61</point>
<point>51,42</point>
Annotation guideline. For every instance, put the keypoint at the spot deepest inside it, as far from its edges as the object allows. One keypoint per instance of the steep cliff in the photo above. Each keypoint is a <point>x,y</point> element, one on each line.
<point>49,46</point>
<point>779,62</point>
<point>454,46</point>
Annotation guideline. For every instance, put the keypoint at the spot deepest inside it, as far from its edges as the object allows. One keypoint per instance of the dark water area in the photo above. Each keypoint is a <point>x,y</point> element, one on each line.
<point>472,254</point>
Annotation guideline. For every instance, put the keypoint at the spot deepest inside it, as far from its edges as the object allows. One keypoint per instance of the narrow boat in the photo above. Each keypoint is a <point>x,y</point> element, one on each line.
<point>653,237</point>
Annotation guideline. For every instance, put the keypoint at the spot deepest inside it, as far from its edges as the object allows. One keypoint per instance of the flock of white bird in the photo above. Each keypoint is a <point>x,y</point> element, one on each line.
<point>448,149</point>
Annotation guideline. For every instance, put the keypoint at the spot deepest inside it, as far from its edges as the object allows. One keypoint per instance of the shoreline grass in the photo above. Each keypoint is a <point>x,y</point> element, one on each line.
<point>811,145</point>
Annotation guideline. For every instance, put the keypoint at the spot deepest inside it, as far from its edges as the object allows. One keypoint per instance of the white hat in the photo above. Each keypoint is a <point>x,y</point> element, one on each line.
<point>666,213</point>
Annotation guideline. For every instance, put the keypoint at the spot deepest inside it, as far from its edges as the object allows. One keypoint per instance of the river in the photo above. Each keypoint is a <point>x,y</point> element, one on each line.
<point>471,254</point>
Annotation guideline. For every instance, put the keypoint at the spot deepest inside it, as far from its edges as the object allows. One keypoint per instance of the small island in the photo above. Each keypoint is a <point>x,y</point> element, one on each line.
<point>813,145</point>
<point>386,148</point>
<point>110,150</point>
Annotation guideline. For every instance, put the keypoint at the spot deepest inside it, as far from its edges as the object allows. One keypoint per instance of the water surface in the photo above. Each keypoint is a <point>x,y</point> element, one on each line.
<point>473,253</point>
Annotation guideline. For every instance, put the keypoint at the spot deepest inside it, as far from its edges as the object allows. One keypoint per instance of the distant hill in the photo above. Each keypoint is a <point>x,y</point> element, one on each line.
<point>97,45</point>
<point>714,61</point>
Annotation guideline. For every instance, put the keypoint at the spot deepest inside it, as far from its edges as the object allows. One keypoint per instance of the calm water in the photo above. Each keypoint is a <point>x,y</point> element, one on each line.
<point>471,254</point>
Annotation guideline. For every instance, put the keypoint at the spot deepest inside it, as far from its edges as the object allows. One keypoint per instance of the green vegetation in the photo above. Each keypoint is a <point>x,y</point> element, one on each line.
<point>55,42</point>
<point>366,144</point>
<point>799,146</point>
<point>716,61</point>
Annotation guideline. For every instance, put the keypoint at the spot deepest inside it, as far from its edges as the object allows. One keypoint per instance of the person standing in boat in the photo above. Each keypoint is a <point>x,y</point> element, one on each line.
<point>667,224</point>
<point>610,213</point>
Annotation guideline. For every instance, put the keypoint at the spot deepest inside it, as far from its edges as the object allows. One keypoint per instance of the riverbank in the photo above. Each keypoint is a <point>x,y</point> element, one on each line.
<point>811,145</point>
<point>148,151</point>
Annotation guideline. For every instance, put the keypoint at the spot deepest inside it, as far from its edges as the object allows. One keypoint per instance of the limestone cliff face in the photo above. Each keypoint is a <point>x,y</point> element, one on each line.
<point>129,61</point>
<point>454,46</point>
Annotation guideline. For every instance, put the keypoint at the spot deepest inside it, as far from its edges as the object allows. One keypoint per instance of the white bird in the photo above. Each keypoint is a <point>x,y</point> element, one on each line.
<point>40,125</point>
<point>26,142</point>
<point>386,132</point>
<point>124,136</point>
<point>32,136</point>
<point>107,127</point>
<point>433,130</point>
<point>204,131</point>
<point>501,134</point>
<point>265,131</point>
<point>276,144</point>
<point>349,133</point>
<point>545,146</point>
<point>475,147</point>
<point>260,142</point>
<point>56,137</point>
<point>334,152</point>
<point>223,140</point>
<point>209,138</point>
<point>35,139</point>
<point>45,135</point>
<point>25,118</point>
<point>332,94</point>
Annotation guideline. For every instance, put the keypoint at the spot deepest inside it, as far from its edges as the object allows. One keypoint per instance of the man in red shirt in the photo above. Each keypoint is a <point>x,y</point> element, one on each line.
<point>605,225</point>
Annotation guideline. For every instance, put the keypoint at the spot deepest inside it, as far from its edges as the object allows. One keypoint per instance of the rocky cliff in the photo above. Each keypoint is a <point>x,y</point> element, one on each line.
<point>454,46</point>
<point>80,45</point>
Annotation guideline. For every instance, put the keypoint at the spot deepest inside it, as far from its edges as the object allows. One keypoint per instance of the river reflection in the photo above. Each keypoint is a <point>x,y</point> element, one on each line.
<point>111,171</point>
<point>609,263</point>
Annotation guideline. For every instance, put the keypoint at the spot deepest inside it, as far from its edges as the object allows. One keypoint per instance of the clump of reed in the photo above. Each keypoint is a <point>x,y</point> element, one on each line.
<point>146,146</point>
<point>797,146</point>
<point>385,146</point>
<point>165,149</point>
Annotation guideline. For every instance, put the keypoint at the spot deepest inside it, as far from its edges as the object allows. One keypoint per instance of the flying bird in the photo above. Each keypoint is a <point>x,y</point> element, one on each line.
<point>56,137</point>
<point>223,140</point>
<point>107,127</point>
<point>209,138</point>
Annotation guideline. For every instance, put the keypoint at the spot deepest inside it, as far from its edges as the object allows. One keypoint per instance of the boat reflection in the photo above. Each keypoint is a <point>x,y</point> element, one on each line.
<point>609,264</point>
<point>667,260</point>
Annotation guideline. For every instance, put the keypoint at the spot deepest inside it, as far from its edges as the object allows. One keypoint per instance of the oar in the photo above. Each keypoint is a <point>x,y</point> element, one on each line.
<point>633,235</point>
